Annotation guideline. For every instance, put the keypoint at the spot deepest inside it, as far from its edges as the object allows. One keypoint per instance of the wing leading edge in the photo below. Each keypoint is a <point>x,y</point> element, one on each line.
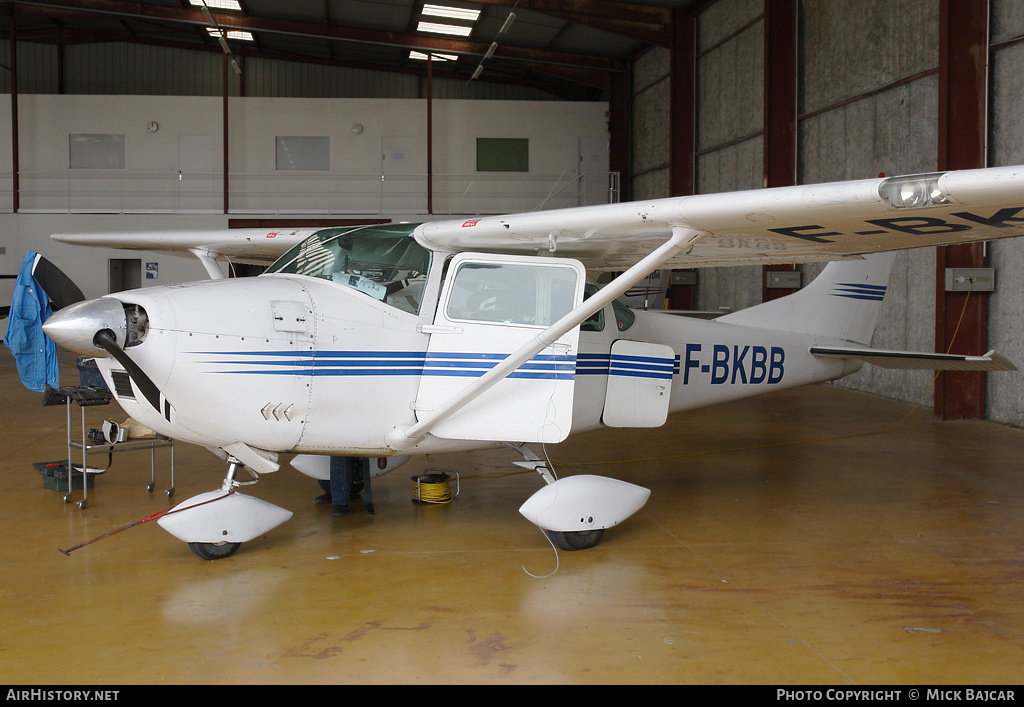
<point>260,246</point>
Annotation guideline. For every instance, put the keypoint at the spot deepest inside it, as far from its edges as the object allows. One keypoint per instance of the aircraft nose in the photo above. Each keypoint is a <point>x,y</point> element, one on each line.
<point>75,327</point>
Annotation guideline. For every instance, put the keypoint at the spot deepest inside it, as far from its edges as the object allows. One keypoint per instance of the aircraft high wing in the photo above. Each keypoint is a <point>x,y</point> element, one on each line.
<point>391,340</point>
<point>805,223</point>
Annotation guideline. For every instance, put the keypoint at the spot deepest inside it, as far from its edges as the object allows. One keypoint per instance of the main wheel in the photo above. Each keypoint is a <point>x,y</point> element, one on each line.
<point>214,551</point>
<point>576,539</point>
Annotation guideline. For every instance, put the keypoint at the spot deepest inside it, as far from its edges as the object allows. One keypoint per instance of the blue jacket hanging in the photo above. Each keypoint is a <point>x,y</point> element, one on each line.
<point>34,353</point>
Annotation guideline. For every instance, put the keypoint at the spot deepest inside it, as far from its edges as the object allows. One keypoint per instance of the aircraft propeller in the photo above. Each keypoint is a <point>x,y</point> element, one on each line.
<point>59,288</point>
<point>106,340</point>
<point>89,326</point>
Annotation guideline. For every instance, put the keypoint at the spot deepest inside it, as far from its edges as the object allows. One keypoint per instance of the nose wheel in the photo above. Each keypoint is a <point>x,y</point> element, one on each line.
<point>213,551</point>
<point>218,551</point>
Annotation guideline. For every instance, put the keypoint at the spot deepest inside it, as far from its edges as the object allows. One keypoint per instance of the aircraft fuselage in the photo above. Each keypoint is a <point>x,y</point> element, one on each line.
<point>289,363</point>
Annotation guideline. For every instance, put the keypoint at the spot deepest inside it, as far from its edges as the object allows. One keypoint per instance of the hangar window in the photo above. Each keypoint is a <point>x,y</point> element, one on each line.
<point>303,153</point>
<point>502,154</point>
<point>96,151</point>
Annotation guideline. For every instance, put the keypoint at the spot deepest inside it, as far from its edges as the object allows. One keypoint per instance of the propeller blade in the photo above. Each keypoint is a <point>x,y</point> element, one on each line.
<point>106,340</point>
<point>57,286</point>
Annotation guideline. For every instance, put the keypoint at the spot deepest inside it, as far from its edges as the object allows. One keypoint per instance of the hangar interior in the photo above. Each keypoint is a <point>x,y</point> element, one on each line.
<point>865,532</point>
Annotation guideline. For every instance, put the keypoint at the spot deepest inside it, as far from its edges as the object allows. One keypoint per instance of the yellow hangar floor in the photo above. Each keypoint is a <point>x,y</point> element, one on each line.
<point>795,538</point>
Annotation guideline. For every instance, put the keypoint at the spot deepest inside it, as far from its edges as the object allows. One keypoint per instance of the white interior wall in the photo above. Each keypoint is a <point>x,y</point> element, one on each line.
<point>148,193</point>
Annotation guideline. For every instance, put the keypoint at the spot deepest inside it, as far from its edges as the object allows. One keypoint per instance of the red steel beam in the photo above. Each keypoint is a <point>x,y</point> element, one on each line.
<point>618,132</point>
<point>961,320</point>
<point>683,107</point>
<point>16,181</point>
<point>226,132</point>
<point>779,111</point>
<point>683,126</point>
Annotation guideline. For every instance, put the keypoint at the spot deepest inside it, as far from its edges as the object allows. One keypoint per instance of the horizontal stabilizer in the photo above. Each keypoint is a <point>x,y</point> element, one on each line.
<point>910,360</point>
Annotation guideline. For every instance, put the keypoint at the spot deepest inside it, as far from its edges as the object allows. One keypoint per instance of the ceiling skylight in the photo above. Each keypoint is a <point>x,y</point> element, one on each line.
<point>230,34</point>
<point>437,57</point>
<point>454,13</point>
<point>438,28</point>
<point>460,24</point>
<point>218,4</point>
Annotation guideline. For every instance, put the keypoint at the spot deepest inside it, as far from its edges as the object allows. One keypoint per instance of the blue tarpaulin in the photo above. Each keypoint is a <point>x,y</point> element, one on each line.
<point>34,352</point>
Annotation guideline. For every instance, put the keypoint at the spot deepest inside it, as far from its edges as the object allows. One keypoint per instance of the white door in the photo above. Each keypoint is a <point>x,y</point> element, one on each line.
<point>199,188</point>
<point>639,384</point>
<point>403,183</point>
<point>592,170</point>
<point>490,306</point>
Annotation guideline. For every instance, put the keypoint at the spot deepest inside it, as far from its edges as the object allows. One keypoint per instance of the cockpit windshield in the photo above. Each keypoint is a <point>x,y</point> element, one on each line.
<point>384,262</point>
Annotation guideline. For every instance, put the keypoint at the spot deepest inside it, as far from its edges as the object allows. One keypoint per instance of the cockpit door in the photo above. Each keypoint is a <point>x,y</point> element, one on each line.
<point>490,306</point>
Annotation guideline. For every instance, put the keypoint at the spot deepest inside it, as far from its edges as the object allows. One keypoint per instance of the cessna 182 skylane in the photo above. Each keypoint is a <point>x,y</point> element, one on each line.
<point>394,340</point>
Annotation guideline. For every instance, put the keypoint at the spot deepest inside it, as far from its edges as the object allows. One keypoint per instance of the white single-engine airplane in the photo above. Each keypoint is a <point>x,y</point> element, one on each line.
<point>389,341</point>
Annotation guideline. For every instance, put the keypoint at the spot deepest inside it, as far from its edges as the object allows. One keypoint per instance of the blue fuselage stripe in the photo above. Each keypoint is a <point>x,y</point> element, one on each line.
<point>385,363</point>
<point>419,363</point>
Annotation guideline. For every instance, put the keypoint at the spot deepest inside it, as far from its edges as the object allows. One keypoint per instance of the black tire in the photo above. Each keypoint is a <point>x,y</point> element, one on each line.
<point>576,539</point>
<point>214,551</point>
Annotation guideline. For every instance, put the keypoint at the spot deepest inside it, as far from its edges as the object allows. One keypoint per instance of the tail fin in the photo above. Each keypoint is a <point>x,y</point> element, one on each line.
<point>843,302</point>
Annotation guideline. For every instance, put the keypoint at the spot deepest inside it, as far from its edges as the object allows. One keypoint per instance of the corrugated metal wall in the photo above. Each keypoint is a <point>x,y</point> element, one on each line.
<point>136,69</point>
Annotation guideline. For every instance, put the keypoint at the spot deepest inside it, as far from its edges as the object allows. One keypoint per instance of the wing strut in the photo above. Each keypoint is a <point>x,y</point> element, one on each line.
<point>209,260</point>
<point>405,437</point>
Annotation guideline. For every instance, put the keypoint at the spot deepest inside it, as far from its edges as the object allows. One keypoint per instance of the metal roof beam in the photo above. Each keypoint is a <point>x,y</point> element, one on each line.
<point>645,23</point>
<point>122,8</point>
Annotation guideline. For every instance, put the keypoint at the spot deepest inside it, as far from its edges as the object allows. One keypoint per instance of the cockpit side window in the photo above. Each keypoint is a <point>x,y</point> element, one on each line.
<point>624,316</point>
<point>383,262</point>
<point>595,322</point>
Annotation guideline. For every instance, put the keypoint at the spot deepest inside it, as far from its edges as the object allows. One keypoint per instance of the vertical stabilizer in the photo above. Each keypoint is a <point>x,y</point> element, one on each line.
<point>843,302</point>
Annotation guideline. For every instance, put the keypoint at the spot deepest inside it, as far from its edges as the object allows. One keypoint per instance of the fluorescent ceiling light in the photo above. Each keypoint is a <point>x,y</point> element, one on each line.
<point>231,34</point>
<point>455,13</point>
<point>443,29</point>
<point>437,57</point>
<point>218,4</point>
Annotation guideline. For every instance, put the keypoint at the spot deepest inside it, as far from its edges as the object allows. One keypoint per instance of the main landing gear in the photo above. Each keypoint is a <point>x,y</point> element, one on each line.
<point>575,511</point>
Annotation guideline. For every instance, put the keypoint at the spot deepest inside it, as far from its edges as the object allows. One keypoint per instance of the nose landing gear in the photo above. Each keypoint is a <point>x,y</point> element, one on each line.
<point>215,523</point>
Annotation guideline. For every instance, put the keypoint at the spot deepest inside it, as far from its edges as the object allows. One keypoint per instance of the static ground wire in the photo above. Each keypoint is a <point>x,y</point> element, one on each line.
<point>155,516</point>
